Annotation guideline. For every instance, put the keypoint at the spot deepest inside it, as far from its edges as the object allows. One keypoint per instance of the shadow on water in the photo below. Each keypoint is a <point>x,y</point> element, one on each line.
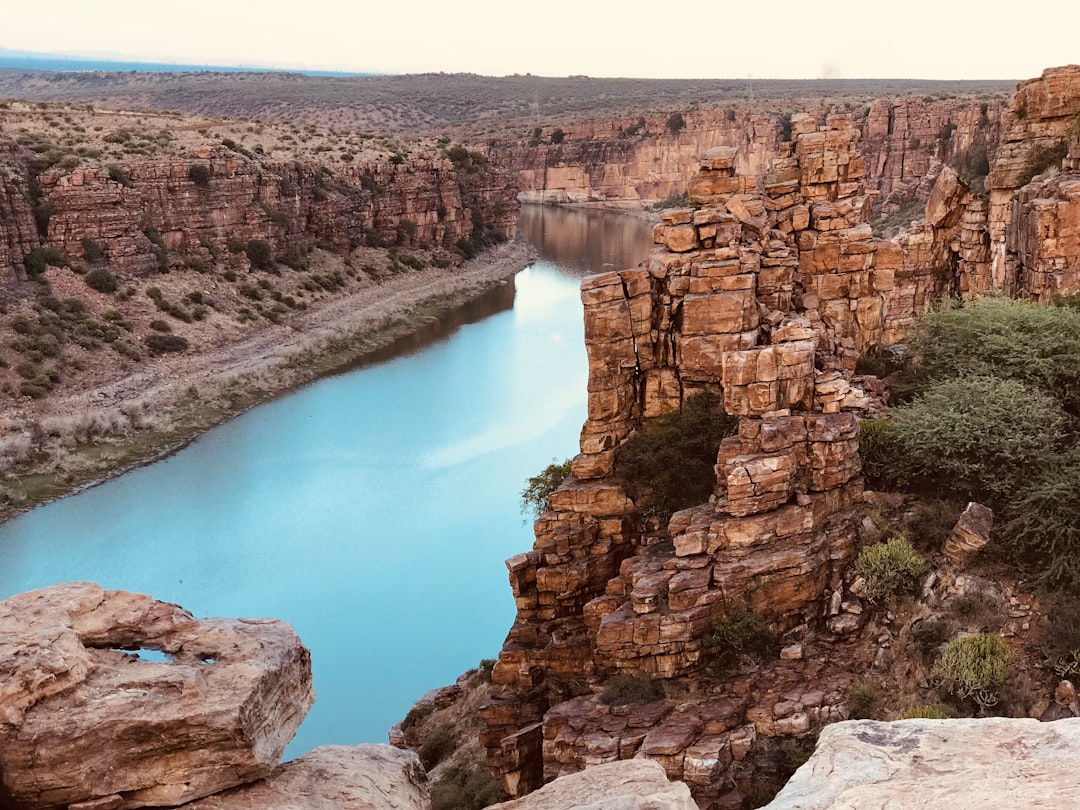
<point>441,326</point>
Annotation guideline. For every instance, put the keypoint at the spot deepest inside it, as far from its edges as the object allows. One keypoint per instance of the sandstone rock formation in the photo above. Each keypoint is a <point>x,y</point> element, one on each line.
<point>635,784</point>
<point>767,294</point>
<point>971,532</point>
<point>359,777</point>
<point>906,142</point>
<point>294,205</point>
<point>82,719</point>
<point>958,764</point>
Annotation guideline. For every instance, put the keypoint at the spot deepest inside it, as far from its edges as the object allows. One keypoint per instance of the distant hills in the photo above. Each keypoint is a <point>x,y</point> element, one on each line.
<point>30,60</point>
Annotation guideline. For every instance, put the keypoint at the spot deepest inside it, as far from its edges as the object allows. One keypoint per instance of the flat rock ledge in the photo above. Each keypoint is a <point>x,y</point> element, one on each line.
<point>336,777</point>
<point>630,784</point>
<point>961,764</point>
<point>86,721</point>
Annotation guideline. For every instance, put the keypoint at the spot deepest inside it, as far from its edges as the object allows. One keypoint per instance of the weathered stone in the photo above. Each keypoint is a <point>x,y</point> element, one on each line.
<point>922,764</point>
<point>634,784</point>
<point>971,532</point>
<point>81,719</point>
<point>360,777</point>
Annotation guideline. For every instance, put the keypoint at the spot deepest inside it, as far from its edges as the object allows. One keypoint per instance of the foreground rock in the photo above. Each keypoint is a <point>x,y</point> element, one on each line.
<point>83,720</point>
<point>633,784</point>
<point>955,764</point>
<point>359,777</point>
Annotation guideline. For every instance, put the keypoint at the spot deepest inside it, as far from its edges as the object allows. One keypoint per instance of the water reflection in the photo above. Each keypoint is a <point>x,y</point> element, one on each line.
<point>584,241</point>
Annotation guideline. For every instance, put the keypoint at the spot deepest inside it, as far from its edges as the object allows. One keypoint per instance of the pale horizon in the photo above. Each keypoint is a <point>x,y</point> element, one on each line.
<point>923,40</point>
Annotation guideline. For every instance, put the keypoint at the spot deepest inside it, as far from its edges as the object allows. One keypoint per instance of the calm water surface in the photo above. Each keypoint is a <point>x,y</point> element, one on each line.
<point>372,510</point>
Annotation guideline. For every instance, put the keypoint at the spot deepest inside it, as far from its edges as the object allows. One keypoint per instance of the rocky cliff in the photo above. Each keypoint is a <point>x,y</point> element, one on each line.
<point>905,144</point>
<point>765,291</point>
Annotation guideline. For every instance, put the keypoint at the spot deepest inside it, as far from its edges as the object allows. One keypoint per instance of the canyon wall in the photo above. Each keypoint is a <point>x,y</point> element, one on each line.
<point>765,292</point>
<point>905,143</point>
<point>294,205</point>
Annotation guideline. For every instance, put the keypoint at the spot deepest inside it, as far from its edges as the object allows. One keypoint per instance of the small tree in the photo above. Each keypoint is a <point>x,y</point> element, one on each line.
<point>676,123</point>
<point>534,498</point>
<point>200,174</point>
<point>260,254</point>
<point>557,136</point>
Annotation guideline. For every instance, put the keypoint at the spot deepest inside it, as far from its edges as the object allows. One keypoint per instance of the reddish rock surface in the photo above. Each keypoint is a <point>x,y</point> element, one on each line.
<point>81,720</point>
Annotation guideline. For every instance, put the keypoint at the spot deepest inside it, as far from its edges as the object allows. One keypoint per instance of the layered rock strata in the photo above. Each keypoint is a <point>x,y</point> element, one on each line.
<point>84,720</point>
<point>906,143</point>
<point>156,212</point>
<point>766,293</point>
<point>961,764</point>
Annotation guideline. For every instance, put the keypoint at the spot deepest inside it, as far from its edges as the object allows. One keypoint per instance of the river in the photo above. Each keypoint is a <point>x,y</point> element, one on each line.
<point>372,510</point>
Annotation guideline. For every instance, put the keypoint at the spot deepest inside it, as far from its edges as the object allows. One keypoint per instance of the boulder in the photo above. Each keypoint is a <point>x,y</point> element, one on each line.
<point>921,764</point>
<point>631,784</point>
<point>84,717</point>
<point>336,777</point>
<point>971,532</point>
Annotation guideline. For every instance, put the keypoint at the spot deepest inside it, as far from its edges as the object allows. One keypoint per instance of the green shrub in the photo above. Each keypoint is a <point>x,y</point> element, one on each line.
<point>40,257</point>
<point>974,667</point>
<point>667,464</point>
<point>865,699</point>
<point>534,498</point>
<point>1043,158</point>
<point>1003,338</point>
<point>102,280</point>
<point>465,787</point>
<point>416,715</point>
<point>622,690</point>
<point>92,251</point>
<point>737,636</point>
<point>1042,522</point>
<point>557,136</point>
<point>437,747</point>
<point>974,436</point>
<point>889,568</point>
<point>925,712</point>
<point>118,175</point>
<point>676,123</point>
<point>260,254</point>
<point>200,174</point>
<point>161,344</point>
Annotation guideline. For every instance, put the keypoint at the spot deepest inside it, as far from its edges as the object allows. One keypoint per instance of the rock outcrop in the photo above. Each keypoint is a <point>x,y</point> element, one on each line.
<point>152,212</point>
<point>359,777</point>
<point>958,764</point>
<point>636,784</point>
<point>766,294</point>
<point>85,721</point>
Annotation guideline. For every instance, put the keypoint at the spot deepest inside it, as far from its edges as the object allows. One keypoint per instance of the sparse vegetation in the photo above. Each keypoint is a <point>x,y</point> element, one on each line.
<point>889,569</point>
<point>200,174</point>
<point>739,636</point>
<point>667,464</point>
<point>534,498</point>
<point>973,667</point>
<point>636,688</point>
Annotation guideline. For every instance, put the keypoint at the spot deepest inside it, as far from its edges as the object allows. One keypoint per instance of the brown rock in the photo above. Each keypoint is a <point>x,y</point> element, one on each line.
<point>634,784</point>
<point>82,720</point>
<point>971,532</point>
<point>360,777</point>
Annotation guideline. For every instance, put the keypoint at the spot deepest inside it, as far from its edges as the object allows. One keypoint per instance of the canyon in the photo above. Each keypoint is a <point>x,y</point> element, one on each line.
<point>765,290</point>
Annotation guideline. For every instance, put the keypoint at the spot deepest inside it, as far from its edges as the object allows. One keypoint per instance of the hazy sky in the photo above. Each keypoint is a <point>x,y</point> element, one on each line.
<point>933,39</point>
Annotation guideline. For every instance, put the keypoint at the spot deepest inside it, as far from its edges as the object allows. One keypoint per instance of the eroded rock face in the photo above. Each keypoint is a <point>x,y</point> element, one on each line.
<point>81,719</point>
<point>634,784</point>
<point>959,764</point>
<point>358,777</point>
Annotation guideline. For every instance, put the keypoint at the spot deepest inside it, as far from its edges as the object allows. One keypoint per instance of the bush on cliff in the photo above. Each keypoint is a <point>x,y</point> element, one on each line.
<point>1004,338</point>
<point>973,667</point>
<point>667,464</point>
<point>635,688</point>
<point>889,568</point>
<point>465,787</point>
<point>534,498</point>
<point>977,437</point>
<point>737,636</point>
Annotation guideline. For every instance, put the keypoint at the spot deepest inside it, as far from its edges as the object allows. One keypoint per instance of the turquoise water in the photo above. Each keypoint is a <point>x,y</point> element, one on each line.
<point>372,510</point>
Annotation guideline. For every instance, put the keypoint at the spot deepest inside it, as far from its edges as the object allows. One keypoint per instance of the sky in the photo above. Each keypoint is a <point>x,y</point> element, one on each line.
<point>780,39</point>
